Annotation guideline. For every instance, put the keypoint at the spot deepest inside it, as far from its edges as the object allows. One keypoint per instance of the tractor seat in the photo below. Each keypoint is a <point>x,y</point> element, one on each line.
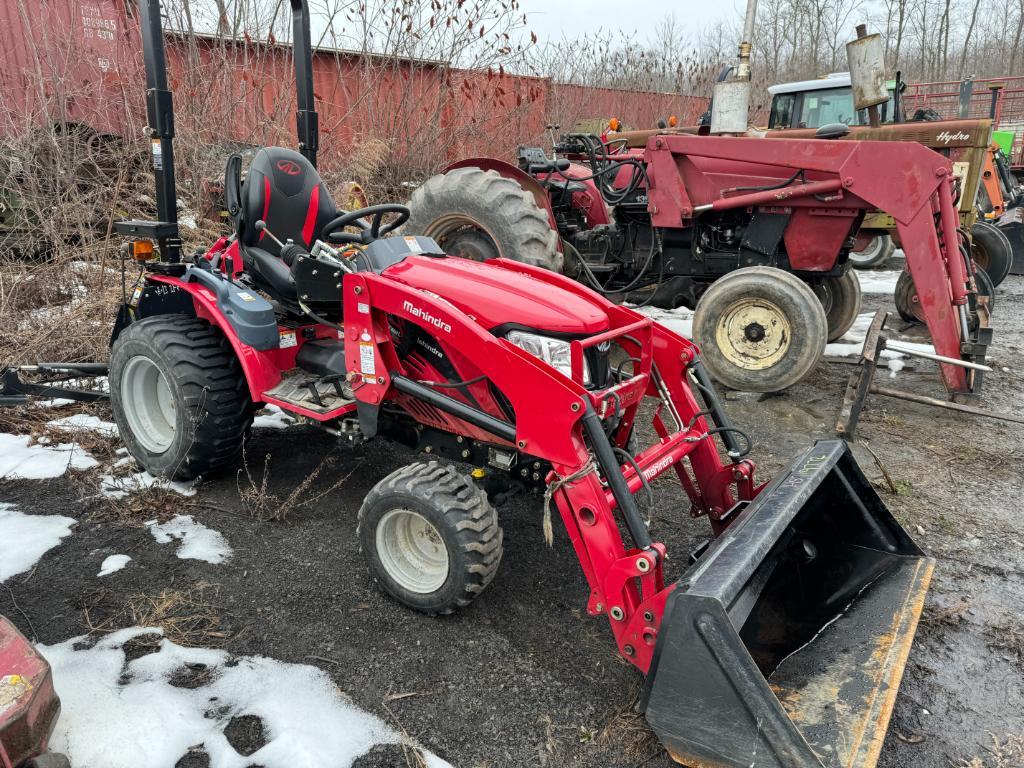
<point>283,189</point>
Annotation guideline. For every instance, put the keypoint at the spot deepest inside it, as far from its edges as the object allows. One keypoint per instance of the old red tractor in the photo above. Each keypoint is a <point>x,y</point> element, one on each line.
<point>513,376</point>
<point>29,706</point>
<point>755,234</point>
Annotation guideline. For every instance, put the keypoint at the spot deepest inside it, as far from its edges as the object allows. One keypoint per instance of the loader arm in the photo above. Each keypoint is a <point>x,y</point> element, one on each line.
<point>689,175</point>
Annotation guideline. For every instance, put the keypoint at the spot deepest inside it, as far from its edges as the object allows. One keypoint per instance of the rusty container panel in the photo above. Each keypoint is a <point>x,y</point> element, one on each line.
<point>65,62</point>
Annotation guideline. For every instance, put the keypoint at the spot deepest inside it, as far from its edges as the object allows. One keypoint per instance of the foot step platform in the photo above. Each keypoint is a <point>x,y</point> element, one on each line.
<point>315,393</point>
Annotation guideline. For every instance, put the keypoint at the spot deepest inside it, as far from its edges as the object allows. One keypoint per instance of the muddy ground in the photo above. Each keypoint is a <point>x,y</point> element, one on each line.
<point>523,677</point>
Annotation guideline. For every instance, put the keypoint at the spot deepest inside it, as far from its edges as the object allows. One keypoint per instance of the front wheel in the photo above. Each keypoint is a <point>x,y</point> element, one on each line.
<point>430,537</point>
<point>760,329</point>
<point>875,254</point>
<point>179,397</point>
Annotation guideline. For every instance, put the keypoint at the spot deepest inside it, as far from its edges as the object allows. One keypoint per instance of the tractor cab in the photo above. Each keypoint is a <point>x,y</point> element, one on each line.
<point>823,101</point>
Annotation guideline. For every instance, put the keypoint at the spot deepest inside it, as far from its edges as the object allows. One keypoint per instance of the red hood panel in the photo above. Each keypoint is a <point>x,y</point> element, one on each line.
<point>495,296</point>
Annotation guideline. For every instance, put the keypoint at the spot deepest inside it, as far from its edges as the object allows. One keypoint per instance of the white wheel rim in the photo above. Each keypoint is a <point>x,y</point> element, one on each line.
<point>869,253</point>
<point>412,551</point>
<point>753,334</point>
<point>148,405</point>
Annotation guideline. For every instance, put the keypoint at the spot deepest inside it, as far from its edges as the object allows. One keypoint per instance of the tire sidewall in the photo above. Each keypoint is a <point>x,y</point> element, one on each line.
<point>127,346</point>
<point>997,247</point>
<point>453,589</point>
<point>804,314</point>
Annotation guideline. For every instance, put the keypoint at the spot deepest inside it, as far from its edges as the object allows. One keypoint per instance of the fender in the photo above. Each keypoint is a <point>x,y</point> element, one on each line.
<point>262,369</point>
<point>521,177</point>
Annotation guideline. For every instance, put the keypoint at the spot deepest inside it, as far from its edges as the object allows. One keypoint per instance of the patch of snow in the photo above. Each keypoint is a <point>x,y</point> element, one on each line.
<point>188,221</point>
<point>274,418</point>
<point>877,281</point>
<point>26,538</point>
<point>107,700</point>
<point>895,366</point>
<point>679,320</point>
<point>119,487</point>
<point>59,402</point>
<point>197,541</point>
<point>83,421</point>
<point>112,564</point>
<point>852,342</point>
<point>38,461</point>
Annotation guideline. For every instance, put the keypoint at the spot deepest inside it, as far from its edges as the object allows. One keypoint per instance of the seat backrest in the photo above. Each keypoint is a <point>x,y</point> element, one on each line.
<point>283,189</point>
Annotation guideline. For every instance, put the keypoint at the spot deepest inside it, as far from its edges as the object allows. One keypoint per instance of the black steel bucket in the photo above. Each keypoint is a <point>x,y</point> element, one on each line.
<point>784,645</point>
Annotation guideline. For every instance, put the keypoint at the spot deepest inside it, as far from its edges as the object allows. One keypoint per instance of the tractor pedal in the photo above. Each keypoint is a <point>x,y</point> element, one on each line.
<point>322,394</point>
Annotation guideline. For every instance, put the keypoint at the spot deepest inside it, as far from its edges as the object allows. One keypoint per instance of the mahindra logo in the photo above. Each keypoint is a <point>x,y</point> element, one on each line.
<point>945,137</point>
<point>425,316</point>
<point>658,467</point>
<point>289,166</point>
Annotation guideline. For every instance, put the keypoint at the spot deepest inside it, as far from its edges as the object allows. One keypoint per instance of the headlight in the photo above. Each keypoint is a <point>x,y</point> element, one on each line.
<point>554,352</point>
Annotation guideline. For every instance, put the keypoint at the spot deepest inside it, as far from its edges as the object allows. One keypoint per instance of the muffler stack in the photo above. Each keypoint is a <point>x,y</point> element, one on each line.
<point>784,645</point>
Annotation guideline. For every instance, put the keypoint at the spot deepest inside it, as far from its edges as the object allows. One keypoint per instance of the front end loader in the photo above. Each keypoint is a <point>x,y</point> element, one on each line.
<point>782,644</point>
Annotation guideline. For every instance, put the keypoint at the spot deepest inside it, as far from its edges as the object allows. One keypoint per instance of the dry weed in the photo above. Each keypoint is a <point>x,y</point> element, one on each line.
<point>1004,753</point>
<point>186,616</point>
<point>260,502</point>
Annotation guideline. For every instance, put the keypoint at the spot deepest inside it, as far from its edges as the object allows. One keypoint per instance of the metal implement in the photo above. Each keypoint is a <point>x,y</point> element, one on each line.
<point>861,383</point>
<point>15,391</point>
<point>792,631</point>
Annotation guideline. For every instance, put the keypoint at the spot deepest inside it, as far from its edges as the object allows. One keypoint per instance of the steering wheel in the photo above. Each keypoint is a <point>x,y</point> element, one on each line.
<point>368,232</point>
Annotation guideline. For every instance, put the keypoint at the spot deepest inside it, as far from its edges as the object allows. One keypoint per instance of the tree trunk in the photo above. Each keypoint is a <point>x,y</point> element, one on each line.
<point>967,39</point>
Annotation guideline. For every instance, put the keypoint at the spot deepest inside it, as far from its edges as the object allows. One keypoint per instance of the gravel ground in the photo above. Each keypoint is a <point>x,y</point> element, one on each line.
<point>524,677</point>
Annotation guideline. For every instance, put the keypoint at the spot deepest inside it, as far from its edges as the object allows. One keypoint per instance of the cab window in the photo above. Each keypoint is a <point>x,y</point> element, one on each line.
<point>782,111</point>
<point>832,105</point>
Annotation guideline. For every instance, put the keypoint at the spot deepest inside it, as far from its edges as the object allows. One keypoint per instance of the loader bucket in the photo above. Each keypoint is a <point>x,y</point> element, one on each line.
<point>783,646</point>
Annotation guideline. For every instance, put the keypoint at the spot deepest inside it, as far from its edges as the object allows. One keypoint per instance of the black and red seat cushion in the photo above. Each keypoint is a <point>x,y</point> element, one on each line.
<point>284,190</point>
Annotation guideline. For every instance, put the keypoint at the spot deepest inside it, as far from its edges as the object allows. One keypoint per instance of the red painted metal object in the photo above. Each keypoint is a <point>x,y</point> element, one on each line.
<point>689,174</point>
<point>28,703</point>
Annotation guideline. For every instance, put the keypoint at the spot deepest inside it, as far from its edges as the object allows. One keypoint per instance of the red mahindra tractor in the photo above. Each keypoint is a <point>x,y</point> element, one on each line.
<point>510,371</point>
<point>754,235</point>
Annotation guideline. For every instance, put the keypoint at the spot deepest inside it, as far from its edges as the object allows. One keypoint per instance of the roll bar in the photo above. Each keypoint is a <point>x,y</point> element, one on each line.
<point>160,116</point>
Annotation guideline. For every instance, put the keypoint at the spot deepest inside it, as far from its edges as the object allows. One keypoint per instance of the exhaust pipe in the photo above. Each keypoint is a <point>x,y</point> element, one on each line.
<point>784,645</point>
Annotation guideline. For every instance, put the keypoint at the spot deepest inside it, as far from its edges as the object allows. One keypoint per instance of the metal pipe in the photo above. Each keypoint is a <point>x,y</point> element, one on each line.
<point>899,394</point>
<point>503,429</point>
<point>938,358</point>
<point>772,196</point>
<point>743,69</point>
<point>612,472</point>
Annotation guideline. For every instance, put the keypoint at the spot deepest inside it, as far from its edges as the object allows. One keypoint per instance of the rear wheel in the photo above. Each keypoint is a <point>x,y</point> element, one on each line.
<point>840,298</point>
<point>875,254</point>
<point>482,215</point>
<point>430,537</point>
<point>991,250</point>
<point>909,305</point>
<point>760,329</point>
<point>179,397</point>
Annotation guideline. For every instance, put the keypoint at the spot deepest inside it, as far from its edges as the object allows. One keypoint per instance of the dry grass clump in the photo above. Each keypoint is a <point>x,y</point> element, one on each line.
<point>187,617</point>
<point>1004,753</point>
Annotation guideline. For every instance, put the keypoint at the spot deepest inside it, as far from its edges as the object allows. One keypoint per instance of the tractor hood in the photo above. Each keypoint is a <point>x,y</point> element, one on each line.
<point>497,297</point>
